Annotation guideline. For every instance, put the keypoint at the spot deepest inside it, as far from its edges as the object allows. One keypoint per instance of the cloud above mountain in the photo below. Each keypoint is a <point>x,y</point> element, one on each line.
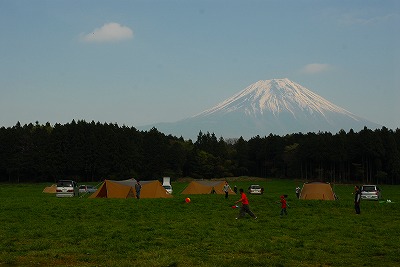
<point>363,19</point>
<point>315,68</point>
<point>108,33</point>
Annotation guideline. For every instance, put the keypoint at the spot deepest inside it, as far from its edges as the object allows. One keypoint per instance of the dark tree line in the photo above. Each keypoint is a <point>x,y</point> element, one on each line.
<point>94,151</point>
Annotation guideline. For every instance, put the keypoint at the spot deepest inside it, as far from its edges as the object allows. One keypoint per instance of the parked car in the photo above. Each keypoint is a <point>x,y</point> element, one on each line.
<point>67,188</point>
<point>168,188</point>
<point>255,189</point>
<point>87,189</point>
<point>370,192</point>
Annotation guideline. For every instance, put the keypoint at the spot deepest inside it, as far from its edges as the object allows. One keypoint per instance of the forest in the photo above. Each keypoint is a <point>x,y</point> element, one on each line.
<point>96,151</point>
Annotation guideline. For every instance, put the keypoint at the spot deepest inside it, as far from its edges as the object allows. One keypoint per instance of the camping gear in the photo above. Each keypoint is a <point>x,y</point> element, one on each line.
<point>50,189</point>
<point>206,187</point>
<point>317,190</point>
<point>126,189</point>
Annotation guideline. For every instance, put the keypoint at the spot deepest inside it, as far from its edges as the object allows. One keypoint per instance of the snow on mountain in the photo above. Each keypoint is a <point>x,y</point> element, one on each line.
<point>277,106</point>
<point>275,96</point>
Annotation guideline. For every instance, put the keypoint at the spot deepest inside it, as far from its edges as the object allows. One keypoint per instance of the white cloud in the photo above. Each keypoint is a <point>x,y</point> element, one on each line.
<point>315,68</point>
<point>109,32</point>
<point>355,19</point>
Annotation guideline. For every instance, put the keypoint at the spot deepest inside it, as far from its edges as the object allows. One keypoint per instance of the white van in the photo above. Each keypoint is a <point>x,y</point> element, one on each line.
<point>67,188</point>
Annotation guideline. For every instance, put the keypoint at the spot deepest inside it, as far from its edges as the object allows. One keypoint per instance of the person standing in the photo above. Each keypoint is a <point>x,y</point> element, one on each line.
<point>235,189</point>
<point>245,205</point>
<point>226,189</point>
<point>357,199</point>
<point>138,187</point>
<point>298,192</point>
<point>283,205</point>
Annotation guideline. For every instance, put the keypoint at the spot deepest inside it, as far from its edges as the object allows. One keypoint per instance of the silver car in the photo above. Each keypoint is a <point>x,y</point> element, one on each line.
<point>87,189</point>
<point>371,192</point>
<point>255,189</point>
<point>67,188</point>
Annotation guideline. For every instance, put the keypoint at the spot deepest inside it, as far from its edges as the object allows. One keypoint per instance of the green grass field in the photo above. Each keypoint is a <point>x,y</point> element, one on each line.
<point>39,229</point>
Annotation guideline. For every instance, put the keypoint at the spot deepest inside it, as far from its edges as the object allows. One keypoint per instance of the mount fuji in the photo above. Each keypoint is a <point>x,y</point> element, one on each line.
<point>277,106</point>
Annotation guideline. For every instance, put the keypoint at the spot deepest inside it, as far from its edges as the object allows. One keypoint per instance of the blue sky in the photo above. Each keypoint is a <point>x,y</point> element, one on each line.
<point>141,62</point>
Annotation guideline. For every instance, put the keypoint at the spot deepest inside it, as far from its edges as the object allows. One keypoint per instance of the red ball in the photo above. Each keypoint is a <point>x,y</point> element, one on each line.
<point>187,200</point>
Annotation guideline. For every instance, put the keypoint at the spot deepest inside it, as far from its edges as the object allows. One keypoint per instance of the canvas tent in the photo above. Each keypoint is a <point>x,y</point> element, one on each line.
<point>206,187</point>
<point>126,189</point>
<point>317,190</point>
<point>50,189</point>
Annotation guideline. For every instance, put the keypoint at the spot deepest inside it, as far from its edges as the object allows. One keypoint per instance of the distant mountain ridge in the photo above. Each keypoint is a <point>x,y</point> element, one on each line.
<point>277,106</point>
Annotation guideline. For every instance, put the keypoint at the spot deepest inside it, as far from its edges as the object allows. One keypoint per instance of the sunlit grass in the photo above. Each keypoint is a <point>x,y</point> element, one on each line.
<point>40,229</point>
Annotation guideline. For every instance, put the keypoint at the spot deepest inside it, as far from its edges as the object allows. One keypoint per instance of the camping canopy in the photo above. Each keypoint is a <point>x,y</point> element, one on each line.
<point>126,189</point>
<point>50,189</point>
<point>206,187</point>
<point>317,190</point>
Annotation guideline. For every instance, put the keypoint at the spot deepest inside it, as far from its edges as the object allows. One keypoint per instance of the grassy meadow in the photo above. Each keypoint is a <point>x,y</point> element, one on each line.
<point>38,229</point>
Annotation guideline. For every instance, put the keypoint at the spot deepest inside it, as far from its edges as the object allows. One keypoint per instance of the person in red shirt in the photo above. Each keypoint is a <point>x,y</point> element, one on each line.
<point>245,205</point>
<point>284,205</point>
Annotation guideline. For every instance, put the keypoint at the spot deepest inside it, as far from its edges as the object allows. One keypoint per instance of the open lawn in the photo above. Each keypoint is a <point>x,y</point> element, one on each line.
<point>38,229</point>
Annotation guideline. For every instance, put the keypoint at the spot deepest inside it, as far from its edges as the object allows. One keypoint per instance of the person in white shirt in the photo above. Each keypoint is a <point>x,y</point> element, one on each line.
<point>226,189</point>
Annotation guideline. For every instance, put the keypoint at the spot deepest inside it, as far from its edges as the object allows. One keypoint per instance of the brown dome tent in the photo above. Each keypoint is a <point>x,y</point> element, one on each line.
<point>206,187</point>
<point>126,189</point>
<point>50,189</point>
<point>317,190</point>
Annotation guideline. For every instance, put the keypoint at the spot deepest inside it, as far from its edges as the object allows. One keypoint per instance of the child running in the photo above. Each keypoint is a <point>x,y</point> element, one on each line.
<point>245,206</point>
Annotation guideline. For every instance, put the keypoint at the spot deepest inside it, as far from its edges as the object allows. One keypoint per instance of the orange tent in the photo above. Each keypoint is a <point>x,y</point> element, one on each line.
<point>50,189</point>
<point>126,189</point>
<point>317,190</point>
<point>206,187</point>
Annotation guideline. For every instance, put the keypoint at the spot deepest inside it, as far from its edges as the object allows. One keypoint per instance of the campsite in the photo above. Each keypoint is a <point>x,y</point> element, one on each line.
<point>39,229</point>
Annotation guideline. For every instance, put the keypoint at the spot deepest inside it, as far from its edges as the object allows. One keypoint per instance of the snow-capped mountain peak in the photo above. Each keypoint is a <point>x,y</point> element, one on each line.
<point>277,106</point>
<point>276,96</point>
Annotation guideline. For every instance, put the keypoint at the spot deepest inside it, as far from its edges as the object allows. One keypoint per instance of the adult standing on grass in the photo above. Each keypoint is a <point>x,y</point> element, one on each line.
<point>226,189</point>
<point>298,192</point>
<point>138,187</point>
<point>245,205</point>
<point>357,199</point>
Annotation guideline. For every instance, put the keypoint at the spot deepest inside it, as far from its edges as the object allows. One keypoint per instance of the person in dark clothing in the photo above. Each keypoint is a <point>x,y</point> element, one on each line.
<point>138,187</point>
<point>298,192</point>
<point>357,199</point>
